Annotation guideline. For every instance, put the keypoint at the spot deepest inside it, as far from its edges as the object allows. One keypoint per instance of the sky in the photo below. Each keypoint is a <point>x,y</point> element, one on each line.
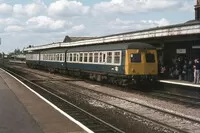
<point>38,22</point>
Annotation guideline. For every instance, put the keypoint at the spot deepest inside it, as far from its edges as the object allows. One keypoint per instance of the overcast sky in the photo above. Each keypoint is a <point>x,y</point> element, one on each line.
<point>36,22</point>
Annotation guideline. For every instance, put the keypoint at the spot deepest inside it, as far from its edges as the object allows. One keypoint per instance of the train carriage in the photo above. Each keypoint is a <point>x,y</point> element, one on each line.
<point>119,63</point>
<point>53,59</point>
<point>33,59</point>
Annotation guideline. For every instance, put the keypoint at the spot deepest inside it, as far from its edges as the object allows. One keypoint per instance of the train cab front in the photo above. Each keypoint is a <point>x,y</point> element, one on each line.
<point>141,65</point>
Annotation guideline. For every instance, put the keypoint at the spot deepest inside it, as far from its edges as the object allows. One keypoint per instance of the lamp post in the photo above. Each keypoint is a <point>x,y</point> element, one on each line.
<point>3,58</point>
<point>197,10</point>
<point>2,55</point>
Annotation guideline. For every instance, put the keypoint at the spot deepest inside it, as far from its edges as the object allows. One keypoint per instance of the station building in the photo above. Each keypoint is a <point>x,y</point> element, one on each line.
<point>180,40</point>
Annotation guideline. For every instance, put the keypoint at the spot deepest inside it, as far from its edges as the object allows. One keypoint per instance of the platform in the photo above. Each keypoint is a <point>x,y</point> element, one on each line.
<point>21,111</point>
<point>180,82</point>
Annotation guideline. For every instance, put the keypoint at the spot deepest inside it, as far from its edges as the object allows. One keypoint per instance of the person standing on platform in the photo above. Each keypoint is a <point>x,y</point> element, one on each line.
<point>185,70</point>
<point>180,68</point>
<point>190,71</point>
<point>196,71</point>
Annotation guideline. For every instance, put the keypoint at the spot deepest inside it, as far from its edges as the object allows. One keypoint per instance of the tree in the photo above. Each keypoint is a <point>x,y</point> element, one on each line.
<point>17,51</point>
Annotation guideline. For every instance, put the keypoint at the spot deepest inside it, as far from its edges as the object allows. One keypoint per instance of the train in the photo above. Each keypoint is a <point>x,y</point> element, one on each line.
<point>120,63</point>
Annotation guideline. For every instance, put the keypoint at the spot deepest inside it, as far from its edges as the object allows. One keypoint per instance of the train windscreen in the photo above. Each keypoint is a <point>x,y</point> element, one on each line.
<point>150,58</point>
<point>136,58</point>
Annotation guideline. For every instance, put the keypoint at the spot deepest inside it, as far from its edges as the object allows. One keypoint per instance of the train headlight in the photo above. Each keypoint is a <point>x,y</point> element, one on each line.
<point>133,70</point>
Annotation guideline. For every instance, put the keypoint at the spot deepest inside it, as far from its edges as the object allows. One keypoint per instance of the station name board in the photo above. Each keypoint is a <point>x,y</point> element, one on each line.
<point>181,51</point>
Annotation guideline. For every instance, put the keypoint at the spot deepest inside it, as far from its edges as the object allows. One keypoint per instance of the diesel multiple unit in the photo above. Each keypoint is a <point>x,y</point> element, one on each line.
<point>121,63</point>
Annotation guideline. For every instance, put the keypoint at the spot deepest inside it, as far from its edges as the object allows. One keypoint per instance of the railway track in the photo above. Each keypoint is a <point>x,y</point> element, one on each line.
<point>82,120</point>
<point>184,99</point>
<point>166,118</point>
<point>92,122</point>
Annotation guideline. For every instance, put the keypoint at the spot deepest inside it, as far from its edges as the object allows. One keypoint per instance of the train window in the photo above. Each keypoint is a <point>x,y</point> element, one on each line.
<point>104,57</point>
<point>109,57</point>
<point>136,58</point>
<point>77,57</point>
<point>150,58</point>
<point>51,56</point>
<point>96,55</point>
<point>90,57</point>
<point>85,57</point>
<point>41,57</point>
<point>54,57</point>
<point>100,57</point>
<point>61,57</point>
<point>70,57</point>
<point>74,57</point>
<point>117,57</point>
<point>81,57</point>
<point>57,57</point>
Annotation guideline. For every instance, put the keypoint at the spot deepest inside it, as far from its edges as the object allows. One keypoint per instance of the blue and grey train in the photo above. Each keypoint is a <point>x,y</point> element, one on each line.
<point>121,63</point>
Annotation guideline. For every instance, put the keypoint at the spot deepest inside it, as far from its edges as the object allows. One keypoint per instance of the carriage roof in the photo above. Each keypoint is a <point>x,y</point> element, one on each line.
<point>118,46</point>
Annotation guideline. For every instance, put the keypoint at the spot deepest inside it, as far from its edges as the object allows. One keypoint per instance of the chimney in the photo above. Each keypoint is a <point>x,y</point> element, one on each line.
<point>197,10</point>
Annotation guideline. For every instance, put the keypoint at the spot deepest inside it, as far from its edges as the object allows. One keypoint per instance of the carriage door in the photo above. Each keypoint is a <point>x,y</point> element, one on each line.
<point>102,57</point>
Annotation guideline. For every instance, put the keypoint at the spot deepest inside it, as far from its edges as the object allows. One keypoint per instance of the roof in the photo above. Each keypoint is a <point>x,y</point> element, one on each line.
<point>188,23</point>
<point>192,22</point>
<point>116,46</point>
<point>57,50</point>
<point>73,39</point>
<point>165,31</point>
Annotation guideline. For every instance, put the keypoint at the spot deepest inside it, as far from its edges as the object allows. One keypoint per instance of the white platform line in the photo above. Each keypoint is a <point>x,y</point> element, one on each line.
<point>178,83</point>
<point>51,104</point>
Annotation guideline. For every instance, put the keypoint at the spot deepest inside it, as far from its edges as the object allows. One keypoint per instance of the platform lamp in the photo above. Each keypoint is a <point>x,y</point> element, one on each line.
<point>2,55</point>
<point>2,51</point>
<point>197,10</point>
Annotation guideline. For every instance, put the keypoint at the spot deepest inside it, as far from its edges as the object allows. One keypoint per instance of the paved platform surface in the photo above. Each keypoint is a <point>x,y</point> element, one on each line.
<point>180,82</point>
<point>21,111</point>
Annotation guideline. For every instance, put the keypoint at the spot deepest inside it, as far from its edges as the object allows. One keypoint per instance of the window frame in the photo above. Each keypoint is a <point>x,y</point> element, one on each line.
<point>85,57</point>
<point>136,54</point>
<point>108,57</point>
<point>120,57</point>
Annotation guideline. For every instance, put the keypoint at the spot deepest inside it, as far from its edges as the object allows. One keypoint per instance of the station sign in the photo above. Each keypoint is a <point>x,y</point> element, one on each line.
<point>196,47</point>
<point>181,51</point>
